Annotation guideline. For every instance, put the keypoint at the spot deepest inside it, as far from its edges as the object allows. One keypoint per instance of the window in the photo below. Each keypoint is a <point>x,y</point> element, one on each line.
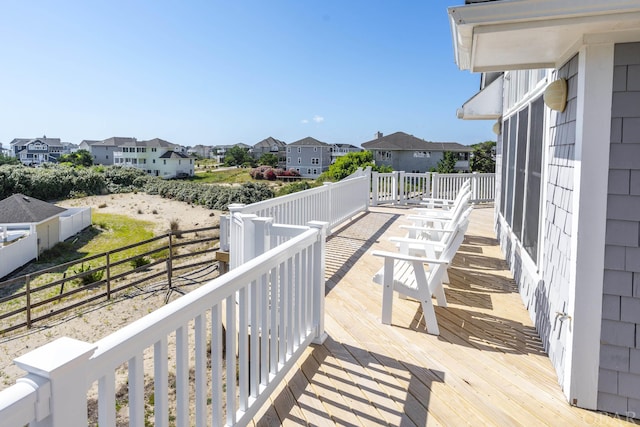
<point>154,160</point>
<point>153,150</point>
<point>288,149</point>
<point>164,161</point>
<point>315,171</point>
<point>298,149</point>
<point>288,159</point>
<point>315,161</point>
<point>315,149</point>
<point>107,156</point>
<point>299,160</point>
<point>522,149</point>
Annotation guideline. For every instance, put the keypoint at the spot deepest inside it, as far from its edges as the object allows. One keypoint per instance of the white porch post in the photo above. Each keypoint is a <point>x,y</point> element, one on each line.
<point>63,364</point>
<point>593,124</point>
<point>318,280</point>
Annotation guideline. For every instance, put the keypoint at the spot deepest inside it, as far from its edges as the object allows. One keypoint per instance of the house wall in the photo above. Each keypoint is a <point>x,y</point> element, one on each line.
<point>552,294</point>
<point>48,233</point>
<point>304,165</point>
<point>619,376</point>
<point>543,278</point>
<point>103,155</point>
<point>406,161</point>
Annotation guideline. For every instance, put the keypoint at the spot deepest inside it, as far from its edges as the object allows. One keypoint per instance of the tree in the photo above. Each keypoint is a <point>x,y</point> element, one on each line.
<point>8,160</point>
<point>268,159</point>
<point>79,158</point>
<point>483,157</point>
<point>448,162</point>
<point>237,156</point>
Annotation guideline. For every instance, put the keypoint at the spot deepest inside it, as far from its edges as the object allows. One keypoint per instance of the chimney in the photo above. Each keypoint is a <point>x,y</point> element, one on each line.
<point>379,135</point>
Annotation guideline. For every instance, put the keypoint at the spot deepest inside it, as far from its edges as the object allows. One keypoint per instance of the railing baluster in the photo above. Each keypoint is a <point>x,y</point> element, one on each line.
<point>216,364</point>
<point>136,390</point>
<point>161,383</point>
<point>200,371</point>
<point>182,376</point>
<point>243,351</point>
<point>107,400</point>
<point>230,359</point>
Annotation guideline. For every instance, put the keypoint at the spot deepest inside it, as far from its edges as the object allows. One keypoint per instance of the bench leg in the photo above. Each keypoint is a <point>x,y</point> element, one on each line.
<point>387,291</point>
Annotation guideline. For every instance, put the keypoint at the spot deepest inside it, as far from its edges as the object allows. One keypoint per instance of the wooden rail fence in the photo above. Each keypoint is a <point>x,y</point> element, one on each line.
<point>40,295</point>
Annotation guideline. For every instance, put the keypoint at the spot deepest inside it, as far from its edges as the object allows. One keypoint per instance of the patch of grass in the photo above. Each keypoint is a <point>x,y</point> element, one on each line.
<point>121,230</point>
<point>229,176</point>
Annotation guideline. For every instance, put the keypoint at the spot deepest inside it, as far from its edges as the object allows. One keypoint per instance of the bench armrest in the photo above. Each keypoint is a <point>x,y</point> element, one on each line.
<point>403,257</point>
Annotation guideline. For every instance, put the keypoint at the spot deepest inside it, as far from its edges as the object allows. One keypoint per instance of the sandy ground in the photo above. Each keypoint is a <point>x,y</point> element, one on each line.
<point>92,323</point>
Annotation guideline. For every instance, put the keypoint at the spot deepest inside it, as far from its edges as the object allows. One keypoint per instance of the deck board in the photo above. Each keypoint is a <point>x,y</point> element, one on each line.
<point>487,367</point>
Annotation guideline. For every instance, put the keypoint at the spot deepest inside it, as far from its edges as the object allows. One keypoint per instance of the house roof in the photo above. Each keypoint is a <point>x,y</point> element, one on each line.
<point>270,142</point>
<point>19,208</point>
<point>114,141</point>
<point>400,141</point>
<point>155,142</point>
<point>346,146</point>
<point>44,140</point>
<point>309,142</point>
<point>173,155</point>
<point>529,34</point>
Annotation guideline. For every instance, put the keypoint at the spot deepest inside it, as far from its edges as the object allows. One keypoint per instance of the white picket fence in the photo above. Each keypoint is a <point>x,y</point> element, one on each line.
<point>403,188</point>
<point>280,290</point>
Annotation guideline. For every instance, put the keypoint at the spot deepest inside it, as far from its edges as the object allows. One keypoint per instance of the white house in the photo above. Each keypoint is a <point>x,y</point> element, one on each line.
<point>338,150</point>
<point>566,98</point>
<point>157,157</point>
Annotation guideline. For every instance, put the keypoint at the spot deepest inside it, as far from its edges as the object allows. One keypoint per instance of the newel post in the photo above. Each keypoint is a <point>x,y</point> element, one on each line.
<point>374,188</point>
<point>318,280</point>
<point>59,371</point>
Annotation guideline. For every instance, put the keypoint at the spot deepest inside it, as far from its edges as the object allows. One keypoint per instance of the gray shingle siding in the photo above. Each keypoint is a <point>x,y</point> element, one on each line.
<point>619,379</point>
<point>558,222</point>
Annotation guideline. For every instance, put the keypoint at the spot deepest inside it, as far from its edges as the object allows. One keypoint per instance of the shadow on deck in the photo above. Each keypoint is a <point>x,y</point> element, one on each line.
<point>487,367</point>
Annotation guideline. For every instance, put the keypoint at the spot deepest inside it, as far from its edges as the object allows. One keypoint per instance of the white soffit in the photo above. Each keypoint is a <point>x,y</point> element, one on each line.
<point>484,105</point>
<point>526,34</point>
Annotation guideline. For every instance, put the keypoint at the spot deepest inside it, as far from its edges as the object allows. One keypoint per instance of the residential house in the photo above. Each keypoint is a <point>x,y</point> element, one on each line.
<point>404,152</point>
<point>273,146</point>
<point>567,104</point>
<point>33,152</point>
<point>338,150</point>
<point>102,151</point>
<point>157,157</point>
<point>220,151</point>
<point>19,211</point>
<point>203,151</point>
<point>309,157</point>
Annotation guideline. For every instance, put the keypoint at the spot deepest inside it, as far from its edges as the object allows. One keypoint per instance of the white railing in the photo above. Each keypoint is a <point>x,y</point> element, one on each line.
<point>73,221</point>
<point>334,203</point>
<point>281,291</point>
<point>402,188</point>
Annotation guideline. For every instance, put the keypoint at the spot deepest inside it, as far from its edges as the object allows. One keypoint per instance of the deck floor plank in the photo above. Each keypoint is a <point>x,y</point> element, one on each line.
<point>487,367</point>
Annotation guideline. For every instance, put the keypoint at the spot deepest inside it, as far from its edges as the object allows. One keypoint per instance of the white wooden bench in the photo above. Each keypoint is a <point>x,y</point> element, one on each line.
<point>416,277</point>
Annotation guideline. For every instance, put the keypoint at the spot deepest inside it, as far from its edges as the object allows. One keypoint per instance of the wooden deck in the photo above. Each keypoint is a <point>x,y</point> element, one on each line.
<point>487,367</point>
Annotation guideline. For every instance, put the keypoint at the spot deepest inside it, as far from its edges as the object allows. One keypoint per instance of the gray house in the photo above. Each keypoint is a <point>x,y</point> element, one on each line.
<point>273,146</point>
<point>36,151</point>
<point>309,156</point>
<point>404,152</point>
<point>102,151</point>
<point>567,177</point>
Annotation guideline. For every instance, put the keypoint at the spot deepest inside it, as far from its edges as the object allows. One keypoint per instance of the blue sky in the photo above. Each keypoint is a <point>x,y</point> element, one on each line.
<point>223,72</point>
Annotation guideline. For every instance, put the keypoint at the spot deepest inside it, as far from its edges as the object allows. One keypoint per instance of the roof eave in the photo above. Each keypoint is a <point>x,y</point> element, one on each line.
<point>484,105</point>
<point>527,34</point>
